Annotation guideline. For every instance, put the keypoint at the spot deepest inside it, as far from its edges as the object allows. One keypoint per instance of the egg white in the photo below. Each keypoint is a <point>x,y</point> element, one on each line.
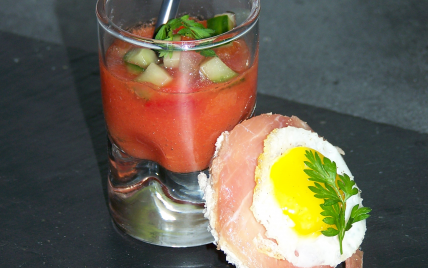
<point>286,243</point>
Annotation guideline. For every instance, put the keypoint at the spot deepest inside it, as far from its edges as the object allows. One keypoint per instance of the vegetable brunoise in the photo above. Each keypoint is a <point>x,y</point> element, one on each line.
<point>161,67</point>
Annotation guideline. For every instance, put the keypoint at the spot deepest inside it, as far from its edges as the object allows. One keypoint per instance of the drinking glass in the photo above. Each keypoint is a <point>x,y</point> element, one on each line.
<point>162,131</point>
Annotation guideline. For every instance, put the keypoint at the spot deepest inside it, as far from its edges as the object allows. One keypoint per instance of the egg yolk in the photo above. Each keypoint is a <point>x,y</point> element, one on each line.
<point>291,190</point>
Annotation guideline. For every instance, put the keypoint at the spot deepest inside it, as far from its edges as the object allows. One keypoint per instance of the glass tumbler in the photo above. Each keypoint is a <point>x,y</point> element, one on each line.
<point>163,119</point>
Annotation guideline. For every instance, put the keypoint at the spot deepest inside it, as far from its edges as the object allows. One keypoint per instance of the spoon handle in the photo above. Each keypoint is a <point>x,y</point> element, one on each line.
<point>167,11</point>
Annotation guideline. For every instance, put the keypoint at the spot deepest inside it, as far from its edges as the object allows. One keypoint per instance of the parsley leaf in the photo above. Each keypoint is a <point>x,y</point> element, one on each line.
<point>207,53</point>
<point>335,191</point>
<point>165,53</point>
<point>187,27</point>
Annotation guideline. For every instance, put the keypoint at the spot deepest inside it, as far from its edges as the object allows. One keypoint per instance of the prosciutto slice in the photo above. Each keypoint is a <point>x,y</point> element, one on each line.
<point>355,261</point>
<point>229,191</point>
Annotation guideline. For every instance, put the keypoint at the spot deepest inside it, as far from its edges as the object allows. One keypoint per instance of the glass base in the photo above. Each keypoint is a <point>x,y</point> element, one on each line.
<point>155,205</point>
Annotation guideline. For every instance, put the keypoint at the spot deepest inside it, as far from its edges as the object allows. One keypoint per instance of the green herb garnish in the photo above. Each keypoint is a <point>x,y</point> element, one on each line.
<point>336,190</point>
<point>189,28</point>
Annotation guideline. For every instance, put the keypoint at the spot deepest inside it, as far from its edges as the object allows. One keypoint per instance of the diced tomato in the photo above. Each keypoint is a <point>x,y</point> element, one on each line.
<point>144,31</point>
<point>178,29</point>
<point>203,22</point>
<point>236,55</point>
<point>186,38</point>
<point>189,62</point>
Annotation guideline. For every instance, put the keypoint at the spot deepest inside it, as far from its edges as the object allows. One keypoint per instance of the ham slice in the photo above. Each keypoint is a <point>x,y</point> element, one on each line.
<point>229,191</point>
<point>355,261</point>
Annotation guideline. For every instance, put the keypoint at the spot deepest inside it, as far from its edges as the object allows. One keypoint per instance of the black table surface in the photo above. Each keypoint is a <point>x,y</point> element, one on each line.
<point>53,171</point>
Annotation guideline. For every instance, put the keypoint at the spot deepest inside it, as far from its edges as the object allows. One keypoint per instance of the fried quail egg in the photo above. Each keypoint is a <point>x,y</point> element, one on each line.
<point>285,206</point>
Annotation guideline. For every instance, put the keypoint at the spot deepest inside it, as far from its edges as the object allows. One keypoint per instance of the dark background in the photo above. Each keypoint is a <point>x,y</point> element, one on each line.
<point>367,58</point>
<point>356,71</point>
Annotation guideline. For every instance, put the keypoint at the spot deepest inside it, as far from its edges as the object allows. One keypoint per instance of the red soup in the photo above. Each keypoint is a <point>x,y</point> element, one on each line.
<point>176,124</point>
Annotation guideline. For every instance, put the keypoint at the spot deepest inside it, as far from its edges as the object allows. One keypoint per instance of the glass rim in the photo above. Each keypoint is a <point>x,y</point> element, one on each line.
<point>206,43</point>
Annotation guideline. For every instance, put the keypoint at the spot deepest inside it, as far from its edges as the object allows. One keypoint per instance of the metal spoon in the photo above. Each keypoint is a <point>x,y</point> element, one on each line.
<point>167,11</point>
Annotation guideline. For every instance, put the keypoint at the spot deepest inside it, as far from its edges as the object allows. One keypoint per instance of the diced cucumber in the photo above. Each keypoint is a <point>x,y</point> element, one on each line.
<point>222,23</point>
<point>143,92</point>
<point>133,69</point>
<point>172,60</point>
<point>155,75</point>
<point>142,57</point>
<point>215,70</point>
<point>176,37</point>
